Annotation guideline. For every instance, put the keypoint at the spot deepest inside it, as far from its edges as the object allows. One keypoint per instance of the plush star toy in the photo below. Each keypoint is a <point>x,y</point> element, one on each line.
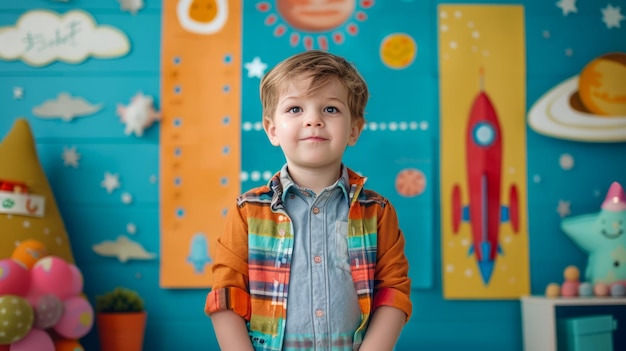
<point>602,236</point>
<point>138,115</point>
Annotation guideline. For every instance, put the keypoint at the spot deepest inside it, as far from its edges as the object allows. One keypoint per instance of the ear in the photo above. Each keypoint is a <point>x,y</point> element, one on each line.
<point>355,132</point>
<point>270,130</point>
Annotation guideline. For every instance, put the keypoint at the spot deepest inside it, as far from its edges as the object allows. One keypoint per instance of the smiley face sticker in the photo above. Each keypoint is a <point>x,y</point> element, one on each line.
<point>398,50</point>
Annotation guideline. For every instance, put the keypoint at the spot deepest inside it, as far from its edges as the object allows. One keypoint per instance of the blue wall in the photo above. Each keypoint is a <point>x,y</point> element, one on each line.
<point>176,318</point>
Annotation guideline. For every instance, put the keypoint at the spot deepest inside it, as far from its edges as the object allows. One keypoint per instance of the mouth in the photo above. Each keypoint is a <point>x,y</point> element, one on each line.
<point>612,235</point>
<point>314,139</point>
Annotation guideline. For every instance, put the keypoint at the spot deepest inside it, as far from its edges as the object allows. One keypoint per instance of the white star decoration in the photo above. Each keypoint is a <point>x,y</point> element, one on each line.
<point>563,208</point>
<point>70,156</point>
<point>256,68</point>
<point>127,198</point>
<point>138,115</point>
<point>131,228</point>
<point>131,6</point>
<point>612,16</point>
<point>18,93</point>
<point>567,6</point>
<point>110,182</point>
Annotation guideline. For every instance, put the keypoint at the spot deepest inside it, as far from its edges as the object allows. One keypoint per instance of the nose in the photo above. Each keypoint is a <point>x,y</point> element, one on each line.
<point>313,119</point>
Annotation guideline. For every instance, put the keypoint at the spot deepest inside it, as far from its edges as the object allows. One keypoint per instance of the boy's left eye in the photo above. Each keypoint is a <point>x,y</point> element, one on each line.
<point>331,109</point>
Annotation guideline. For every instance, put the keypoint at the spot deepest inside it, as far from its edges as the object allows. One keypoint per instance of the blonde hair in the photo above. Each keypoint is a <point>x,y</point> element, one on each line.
<point>322,67</point>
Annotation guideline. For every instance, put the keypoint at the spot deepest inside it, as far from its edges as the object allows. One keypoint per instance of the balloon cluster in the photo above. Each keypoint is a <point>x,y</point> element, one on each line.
<point>41,302</point>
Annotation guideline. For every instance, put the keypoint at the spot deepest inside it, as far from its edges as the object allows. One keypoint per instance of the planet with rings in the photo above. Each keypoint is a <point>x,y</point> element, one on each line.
<point>589,106</point>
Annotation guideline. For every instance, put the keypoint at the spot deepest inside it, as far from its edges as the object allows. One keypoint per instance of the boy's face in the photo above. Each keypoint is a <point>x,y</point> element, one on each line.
<point>313,130</point>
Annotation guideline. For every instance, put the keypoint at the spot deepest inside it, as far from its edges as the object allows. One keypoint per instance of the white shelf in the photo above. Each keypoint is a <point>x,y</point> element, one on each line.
<point>539,317</point>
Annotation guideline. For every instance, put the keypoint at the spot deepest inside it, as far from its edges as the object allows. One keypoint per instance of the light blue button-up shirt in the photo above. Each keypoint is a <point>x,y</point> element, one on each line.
<point>322,306</point>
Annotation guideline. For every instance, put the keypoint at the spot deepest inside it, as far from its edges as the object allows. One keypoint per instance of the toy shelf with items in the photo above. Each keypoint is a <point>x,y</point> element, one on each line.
<point>541,315</point>
<point>575,314</point>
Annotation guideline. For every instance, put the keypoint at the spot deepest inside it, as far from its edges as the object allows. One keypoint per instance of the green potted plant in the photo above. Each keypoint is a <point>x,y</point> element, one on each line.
<point>120,320</point>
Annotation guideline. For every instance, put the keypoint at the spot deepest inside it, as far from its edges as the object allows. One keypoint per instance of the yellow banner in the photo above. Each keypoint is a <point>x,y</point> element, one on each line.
<point>483,151</point>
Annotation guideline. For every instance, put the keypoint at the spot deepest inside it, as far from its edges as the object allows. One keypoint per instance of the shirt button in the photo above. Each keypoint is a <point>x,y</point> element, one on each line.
<point>317,259</point>
<point>316,210</point>
<point>292,196</point>
<point>319,313</point>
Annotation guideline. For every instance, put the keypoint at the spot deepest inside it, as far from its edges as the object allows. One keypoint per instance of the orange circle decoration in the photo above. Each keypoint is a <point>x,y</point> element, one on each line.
<point>410,182</point>
<point>28,252</point>
<point>398,50</point>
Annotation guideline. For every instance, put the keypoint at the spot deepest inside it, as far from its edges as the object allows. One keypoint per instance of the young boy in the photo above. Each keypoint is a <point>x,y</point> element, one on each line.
<point>312,260</point>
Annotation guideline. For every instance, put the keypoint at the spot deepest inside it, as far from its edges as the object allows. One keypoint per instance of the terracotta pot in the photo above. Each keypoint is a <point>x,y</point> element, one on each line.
<point>121,331</point>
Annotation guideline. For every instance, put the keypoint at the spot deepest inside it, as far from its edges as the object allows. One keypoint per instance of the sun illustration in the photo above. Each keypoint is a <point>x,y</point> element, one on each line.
<point>313,23</point>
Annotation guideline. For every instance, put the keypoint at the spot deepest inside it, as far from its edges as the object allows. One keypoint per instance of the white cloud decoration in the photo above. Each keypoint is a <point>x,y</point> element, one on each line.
<point>41,37</point>
<point>65,107</point>
<point>124,249</point>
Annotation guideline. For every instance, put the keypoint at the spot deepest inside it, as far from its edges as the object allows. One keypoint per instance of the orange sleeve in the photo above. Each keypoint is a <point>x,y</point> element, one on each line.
<point>230,267</point>
<point>392,283</point>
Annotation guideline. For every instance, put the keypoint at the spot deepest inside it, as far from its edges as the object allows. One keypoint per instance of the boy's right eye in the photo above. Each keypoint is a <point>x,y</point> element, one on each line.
<point>294,109</point>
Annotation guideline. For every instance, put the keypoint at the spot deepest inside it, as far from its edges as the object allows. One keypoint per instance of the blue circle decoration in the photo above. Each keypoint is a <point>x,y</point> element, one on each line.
<point>484,134</point>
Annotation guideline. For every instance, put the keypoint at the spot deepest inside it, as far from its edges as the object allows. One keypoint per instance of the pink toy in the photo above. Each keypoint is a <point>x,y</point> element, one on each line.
<point>77,319</point>
<point>51,275</point>
<point>14,278</point>
<point>570,289</point>
<point>77,281</point>
<point>48,310</point>
<point>35,340</point>
<point>601,289</point>
<point>572,282</point>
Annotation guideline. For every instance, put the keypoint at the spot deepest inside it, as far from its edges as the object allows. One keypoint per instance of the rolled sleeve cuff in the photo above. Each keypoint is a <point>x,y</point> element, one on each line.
<point>234,299</point>
<point>394,298</point>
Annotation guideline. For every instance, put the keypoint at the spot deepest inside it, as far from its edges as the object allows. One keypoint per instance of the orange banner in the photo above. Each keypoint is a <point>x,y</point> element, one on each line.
<point>200,134</point>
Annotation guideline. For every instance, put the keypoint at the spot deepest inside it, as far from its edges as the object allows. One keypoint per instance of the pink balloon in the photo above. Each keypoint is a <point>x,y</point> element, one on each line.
<point>14,278</point>
<point>77,281</point>
<point>35,340</point>
<point>48,310</point>
<point>51,275</point>
<point>77,319</point>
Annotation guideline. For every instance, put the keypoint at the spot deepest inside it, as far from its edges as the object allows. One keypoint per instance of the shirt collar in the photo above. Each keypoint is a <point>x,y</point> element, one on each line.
<point>288,184</point>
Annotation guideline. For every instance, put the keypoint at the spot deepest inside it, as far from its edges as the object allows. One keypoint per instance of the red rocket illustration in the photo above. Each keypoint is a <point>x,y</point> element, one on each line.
<point>484,173</point>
